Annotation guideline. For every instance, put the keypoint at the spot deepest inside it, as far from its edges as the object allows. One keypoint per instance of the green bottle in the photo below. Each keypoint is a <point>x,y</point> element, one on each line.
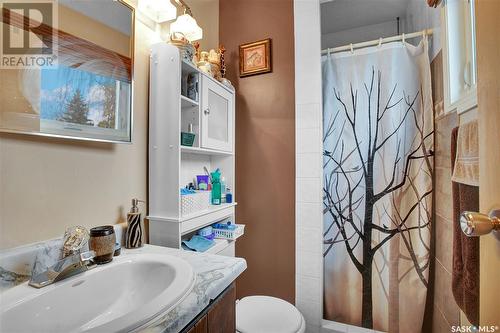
<point>216,188</point>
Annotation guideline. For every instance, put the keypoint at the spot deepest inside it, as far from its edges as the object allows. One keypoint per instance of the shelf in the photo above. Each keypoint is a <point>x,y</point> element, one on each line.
<point>204,218</point>
<point>212,209</point>
<point>189,67</point>
<point>204,151</point>
<point>187,102</point>
<point>220,245</point>
<point>217,82</point>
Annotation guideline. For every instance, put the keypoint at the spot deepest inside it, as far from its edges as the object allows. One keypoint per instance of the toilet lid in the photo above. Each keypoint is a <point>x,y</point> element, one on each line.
<point>265,314</point>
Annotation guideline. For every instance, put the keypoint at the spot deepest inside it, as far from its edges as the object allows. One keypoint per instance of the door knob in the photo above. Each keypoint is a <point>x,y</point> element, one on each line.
<point>207,111</point>
<point>477,224</point>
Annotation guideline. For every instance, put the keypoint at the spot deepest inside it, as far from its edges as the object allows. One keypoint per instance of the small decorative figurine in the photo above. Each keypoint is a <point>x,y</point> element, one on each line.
<point>187,49</point>
<point>222,50</point>
<point>223,80</point>
<point>197,52</point>
<point>214,59</point>
<point>204,65</point>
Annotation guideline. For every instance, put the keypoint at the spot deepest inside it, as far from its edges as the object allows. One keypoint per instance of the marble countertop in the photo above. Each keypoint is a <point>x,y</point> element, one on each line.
<point>213,274</point>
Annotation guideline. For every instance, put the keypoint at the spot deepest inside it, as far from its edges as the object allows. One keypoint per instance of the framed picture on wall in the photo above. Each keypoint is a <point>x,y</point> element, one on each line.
<point>255,58</point>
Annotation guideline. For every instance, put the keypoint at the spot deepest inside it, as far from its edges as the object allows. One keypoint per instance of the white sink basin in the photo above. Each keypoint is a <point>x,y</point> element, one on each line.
<point>125,295</point>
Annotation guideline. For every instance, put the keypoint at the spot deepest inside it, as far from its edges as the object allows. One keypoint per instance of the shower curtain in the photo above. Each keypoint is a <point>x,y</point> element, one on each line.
<point>377,186</point>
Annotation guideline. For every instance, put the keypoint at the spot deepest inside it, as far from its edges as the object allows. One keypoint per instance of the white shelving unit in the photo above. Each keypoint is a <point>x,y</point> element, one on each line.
<point>187,102</point>
<point>171,165</point>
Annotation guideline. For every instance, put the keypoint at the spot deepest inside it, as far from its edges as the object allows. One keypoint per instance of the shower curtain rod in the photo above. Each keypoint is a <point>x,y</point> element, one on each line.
<point>402,37</point>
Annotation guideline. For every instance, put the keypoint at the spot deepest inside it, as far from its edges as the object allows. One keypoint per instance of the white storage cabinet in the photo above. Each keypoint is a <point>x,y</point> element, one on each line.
<point>171,166</point>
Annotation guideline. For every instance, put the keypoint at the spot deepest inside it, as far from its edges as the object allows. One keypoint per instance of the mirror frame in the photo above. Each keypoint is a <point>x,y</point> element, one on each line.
<point>132,89</point>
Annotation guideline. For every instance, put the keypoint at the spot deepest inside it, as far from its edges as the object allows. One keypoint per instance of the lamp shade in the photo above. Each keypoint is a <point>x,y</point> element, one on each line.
<point>158,10</point>
<point>187,25</point>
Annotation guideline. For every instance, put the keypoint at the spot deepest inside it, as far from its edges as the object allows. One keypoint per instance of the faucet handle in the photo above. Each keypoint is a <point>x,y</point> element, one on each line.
<point>86,256</point>
<point>74,239</point>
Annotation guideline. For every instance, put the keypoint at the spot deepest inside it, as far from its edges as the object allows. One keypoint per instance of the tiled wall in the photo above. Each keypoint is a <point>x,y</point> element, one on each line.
<point>309,261</point>
<point>445,311</point>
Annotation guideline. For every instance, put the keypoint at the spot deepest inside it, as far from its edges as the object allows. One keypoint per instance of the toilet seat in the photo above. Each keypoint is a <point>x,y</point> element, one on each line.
<point>265,314</point>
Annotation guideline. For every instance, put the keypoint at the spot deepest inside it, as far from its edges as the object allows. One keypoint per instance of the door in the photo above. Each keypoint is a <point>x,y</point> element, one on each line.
<point>488,55</point>
<point>217,116</point>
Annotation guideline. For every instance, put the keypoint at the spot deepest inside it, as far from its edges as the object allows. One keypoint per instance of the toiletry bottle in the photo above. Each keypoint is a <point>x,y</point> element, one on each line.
<point>216,188</point>
<point>223,190</point>
<point>229,196</point>
<point>223,185</point>
<point>135,228</point>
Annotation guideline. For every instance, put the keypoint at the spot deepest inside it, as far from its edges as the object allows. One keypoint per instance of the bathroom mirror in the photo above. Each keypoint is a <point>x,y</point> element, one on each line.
<point>67,69</point>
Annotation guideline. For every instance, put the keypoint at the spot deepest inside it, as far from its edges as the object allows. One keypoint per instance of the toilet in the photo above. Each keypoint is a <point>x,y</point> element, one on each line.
<point>266,314</point>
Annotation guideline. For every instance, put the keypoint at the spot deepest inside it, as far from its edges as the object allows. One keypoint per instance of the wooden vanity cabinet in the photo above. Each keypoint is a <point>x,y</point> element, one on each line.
<point>218,317</point>
<point>201,326</point>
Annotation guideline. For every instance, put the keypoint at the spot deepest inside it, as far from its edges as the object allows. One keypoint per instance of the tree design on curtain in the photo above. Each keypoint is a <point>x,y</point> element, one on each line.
<point>348,190</point>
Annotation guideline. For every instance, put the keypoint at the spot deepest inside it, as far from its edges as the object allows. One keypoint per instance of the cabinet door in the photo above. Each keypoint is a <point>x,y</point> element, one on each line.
<point>201,326</point>
<point>222,315</point>
<point>217,116</point>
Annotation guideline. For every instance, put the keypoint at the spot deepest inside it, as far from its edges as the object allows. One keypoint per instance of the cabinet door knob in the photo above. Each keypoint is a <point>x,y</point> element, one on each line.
<point>206,111</point>
<point>477,224</point>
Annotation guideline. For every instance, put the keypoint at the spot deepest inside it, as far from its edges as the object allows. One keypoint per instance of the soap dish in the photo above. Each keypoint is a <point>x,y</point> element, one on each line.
<point>118,250</point>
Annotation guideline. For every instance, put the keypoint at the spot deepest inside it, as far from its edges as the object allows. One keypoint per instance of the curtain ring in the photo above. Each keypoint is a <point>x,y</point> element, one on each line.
<point>352,48</point>
<point>380,42</point>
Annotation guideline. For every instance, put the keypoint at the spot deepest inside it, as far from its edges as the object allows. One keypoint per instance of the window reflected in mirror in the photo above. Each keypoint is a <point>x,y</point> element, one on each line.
<point>87,94</point>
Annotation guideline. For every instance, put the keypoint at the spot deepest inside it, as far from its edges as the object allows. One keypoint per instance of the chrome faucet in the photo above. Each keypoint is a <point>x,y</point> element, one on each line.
<point>69,266</point>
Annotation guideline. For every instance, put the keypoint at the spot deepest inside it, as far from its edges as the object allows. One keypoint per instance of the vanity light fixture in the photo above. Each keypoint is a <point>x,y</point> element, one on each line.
<point>186,24</point>
<point>158,10</point>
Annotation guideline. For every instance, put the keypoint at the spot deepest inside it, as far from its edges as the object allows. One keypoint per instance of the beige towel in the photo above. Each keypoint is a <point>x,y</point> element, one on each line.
<point>466,169</point>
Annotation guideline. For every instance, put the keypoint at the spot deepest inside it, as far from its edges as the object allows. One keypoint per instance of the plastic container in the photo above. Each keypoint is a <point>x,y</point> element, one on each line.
<point>187,139</point>
<point>202,181</point>
<point>207,231</point>
<point>102,241</point>
<point>216,188</point>
<point>192,203</point>
<point>230,234</point>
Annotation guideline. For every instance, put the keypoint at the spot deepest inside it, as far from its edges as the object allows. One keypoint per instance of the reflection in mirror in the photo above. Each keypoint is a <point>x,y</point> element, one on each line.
<point>87,92</point>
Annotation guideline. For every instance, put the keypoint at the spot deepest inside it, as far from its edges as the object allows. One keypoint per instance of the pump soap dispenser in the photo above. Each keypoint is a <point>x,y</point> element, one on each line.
<point>135,227</point>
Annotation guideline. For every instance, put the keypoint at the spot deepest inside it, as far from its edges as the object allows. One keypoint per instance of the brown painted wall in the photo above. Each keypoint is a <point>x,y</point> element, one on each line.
<point>265,145</point>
